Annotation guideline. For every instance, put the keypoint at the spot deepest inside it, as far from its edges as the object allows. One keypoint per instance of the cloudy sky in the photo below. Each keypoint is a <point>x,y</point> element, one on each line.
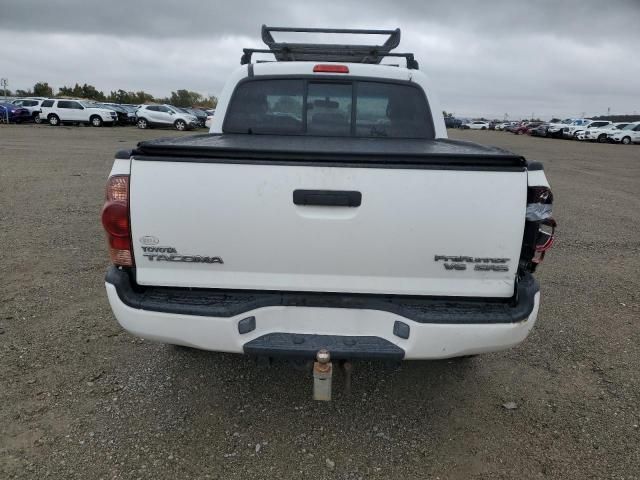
<point>489,57</point>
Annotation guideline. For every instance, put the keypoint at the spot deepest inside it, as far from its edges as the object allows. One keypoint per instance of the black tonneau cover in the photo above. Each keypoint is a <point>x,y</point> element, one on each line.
<point>333,151</point>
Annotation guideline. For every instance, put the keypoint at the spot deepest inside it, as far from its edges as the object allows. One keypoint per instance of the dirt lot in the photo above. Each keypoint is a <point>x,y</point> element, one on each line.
<point>79,398</point>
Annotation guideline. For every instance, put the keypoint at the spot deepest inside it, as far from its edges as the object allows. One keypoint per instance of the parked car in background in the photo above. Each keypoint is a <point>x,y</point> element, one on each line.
<point>131,112</point>
<point>13,113</point>
<point>555,128</point>
<point>526,127</point>
<point>513,126</point>
<point>31,104</point>
<point>452,122</point>
<point>506,126</point>
<point>126,113</point>
<point>200,114</point>
<point>599,134</point>
<point>591,124</point>
<point>540,130</point>
<point>477,125</point>
<point>61,111</point>
<point>123,116</point>
<point>577,124</point>
<point>209,121</point>
<point>629,134</point>
<point>165,116</point>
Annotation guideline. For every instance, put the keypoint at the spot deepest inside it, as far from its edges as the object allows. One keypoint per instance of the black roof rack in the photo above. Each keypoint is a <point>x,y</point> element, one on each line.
<point>329,52</point>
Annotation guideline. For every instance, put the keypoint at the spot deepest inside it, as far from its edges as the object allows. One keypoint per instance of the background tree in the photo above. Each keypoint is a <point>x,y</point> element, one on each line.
<point>90,92</point>
<point>184,98</point>
<point>142,97</point>
<point>180,98</point>
<point>209,102</point>
<point>120,96</point>
<point>42,89</point>
<point>65,91</point>
<point>82,91</point>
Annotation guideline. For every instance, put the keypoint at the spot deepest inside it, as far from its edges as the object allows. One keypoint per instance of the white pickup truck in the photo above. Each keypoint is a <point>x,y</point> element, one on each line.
<point>326,209</point>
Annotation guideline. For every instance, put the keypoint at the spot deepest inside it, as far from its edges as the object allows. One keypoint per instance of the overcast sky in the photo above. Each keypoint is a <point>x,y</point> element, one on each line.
<point>550,58</point>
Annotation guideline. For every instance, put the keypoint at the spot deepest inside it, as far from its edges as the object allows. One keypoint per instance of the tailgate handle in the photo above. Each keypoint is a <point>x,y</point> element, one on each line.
<point>330,198</point>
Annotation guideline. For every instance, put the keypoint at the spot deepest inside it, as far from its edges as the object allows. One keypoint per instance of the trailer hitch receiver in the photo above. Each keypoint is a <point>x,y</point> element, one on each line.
<point>322,375</point>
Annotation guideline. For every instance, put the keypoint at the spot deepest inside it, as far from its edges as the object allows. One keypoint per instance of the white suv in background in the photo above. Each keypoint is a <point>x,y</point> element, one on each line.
<point>580,132</point>
<point>577,124</point>
<point>629,134</point>
<point>58,112</point>
<point>31,104</point>
<point>599,134</point>
<point>165,116</point>
<point>555,128</point>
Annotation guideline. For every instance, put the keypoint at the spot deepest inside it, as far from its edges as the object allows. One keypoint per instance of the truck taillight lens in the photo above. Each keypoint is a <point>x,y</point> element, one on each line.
<point>540,217</point>
<point>544,239</point>
<point>116,222</point>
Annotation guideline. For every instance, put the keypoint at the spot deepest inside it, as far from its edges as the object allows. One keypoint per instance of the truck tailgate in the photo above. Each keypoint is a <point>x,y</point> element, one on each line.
<point>239,225</point>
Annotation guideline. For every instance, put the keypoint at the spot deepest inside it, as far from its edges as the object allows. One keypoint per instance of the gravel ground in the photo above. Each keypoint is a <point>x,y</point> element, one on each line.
<point>80,398</point>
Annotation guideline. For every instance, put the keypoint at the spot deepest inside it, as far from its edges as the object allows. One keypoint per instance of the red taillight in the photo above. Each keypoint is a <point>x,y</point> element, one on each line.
<point>545,239</point>
<point>115,220</point>
<point>330,68</point>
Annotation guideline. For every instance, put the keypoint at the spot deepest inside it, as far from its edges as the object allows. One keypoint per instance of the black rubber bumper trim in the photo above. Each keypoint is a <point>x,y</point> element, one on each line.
<point>534,166</point>
<point>123,154</point>
<point>421,309</point>
<point>295,345</point>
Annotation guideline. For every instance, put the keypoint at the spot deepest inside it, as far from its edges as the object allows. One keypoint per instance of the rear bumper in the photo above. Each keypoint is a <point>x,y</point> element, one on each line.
<point>298,324</point>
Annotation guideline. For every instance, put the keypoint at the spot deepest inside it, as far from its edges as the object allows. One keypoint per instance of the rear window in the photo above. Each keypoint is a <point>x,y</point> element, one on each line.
<point>267,106</point>
<point>358,108</point>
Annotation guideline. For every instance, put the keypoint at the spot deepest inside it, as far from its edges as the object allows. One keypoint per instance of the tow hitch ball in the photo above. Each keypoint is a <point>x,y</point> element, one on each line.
<point>323,374</point>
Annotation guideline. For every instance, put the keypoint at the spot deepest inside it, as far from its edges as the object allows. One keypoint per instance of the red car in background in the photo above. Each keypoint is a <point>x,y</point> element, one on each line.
<point>526,128</point>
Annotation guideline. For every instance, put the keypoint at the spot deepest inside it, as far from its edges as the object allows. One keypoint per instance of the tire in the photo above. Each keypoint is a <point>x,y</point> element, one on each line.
<point>54,120</point>
<point>95,121</point>
<point>180,125</point>
<point>36,118</point>
<point>483,128</point>
<point>602,138</point>
<point>626,141</point>
<point>142,123</point>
